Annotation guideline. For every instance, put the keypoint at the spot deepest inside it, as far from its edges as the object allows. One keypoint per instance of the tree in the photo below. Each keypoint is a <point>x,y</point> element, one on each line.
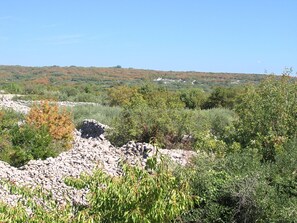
<point>193,98</point>
<point>222,97</point>
<point>268,115</point>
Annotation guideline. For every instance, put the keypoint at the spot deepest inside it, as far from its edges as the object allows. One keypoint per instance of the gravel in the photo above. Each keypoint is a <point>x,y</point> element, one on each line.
<point>90,150</point>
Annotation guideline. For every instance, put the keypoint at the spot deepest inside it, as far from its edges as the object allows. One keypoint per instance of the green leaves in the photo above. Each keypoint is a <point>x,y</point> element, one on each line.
<point>22,143</point>
<point>137,196</point>
<point>268,115</point>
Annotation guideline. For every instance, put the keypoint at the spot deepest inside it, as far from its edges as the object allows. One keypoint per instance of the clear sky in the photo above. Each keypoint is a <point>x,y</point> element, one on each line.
<point>247,36</point>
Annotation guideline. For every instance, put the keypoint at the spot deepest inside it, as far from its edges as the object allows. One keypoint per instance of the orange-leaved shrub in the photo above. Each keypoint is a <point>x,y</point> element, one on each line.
<point>58,122</point>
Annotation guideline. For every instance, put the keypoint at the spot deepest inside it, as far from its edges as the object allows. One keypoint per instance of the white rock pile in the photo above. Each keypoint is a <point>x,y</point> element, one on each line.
<point>23,106</point>
<point>90,150</point>
<point>7,102</point>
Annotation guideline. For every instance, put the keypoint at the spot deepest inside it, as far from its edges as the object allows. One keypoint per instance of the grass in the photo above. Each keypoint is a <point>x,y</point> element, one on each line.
<point>100,113</point>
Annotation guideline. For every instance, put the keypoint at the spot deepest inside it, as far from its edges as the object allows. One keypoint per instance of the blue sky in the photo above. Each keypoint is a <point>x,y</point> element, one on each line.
<point>247,36</point>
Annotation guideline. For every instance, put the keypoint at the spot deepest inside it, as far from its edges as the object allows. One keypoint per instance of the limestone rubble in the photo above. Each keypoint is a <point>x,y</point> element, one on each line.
<point>90,150</point>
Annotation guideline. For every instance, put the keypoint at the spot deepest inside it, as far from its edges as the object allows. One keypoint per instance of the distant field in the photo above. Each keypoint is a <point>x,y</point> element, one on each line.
<point>55,75</point>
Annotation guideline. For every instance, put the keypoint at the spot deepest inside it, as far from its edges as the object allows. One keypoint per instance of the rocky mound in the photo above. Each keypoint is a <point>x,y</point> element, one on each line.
<point>90,150</point>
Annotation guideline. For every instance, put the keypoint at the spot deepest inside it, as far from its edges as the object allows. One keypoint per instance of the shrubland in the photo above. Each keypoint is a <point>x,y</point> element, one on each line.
<point>255,180</point>
<point>245,170</point>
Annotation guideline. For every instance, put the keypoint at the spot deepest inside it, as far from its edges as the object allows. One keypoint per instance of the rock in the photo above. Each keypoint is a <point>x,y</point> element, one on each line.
<point>90,150</point>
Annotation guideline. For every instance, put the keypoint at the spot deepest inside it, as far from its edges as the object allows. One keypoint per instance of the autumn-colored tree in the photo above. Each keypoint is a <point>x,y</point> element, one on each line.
<point>57,121</point>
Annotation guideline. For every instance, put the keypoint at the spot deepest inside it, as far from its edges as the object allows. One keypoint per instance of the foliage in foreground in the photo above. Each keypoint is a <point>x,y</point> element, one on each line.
<point>241,188</point>
<point>138,196</point>
<point>248,176</point>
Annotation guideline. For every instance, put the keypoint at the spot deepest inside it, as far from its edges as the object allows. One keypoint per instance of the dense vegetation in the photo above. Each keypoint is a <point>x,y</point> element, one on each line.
<point>245,136</point>
<point>90,84</point>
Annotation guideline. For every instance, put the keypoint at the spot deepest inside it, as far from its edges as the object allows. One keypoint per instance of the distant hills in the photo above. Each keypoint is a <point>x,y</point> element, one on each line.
<point>103,75</point>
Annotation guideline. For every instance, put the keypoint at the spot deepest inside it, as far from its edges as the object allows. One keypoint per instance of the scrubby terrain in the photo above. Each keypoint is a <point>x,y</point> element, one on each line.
<point>90,149</point>
<point>147,152</point>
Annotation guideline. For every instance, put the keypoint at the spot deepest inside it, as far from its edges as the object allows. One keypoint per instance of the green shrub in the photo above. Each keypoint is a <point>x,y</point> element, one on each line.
<point>268,115</point>
<point>32,210</point>
<point>240,188</point>
<point>140,122</point>
<point>30,143</point>
<point>220,122</point>
<point>156,97</point>
<point>45,133</point>
<point>222,97</point>
<point>14,88</point>
<point>167,126</point>
<point>193,98</point>
<point>137,196</point>
<point>8,120</point>
<point>120,95</point>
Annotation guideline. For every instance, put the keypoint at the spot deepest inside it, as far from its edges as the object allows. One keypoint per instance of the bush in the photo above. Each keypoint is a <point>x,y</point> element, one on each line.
<point>46,132</point>
<point>163,126</point>
<point>58,123</point>
<point>221,122</point>
<point>42,209</point>
<point>167,125</point>
<point>158,116</point>
<point>193,98</point>
<point>222,97</point>
<point>156,97</point>
<point>268,115</point>
<point>120,95</point>
<point>8,119</point>
<point>152,95</point>
<point>137,196</point>
<point>29,143</point>
<point>240,188</point>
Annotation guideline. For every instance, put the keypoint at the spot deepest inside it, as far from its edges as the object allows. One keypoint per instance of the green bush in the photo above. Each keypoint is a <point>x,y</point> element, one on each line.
<point>30,143</point>
<point>32,210</point>
<point>167,126</point>
<point>45,133</point>
<point>8,119</point>
<point>27,143</point>
<point>221,122</point>
<point>120,95</point>
<point>268,115</point>
<point>193,98</point>
<point>140,122</point>
<point>240,188</point>
<point>137,196</point>
<point>222,97</point>
<point>156,97</point>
